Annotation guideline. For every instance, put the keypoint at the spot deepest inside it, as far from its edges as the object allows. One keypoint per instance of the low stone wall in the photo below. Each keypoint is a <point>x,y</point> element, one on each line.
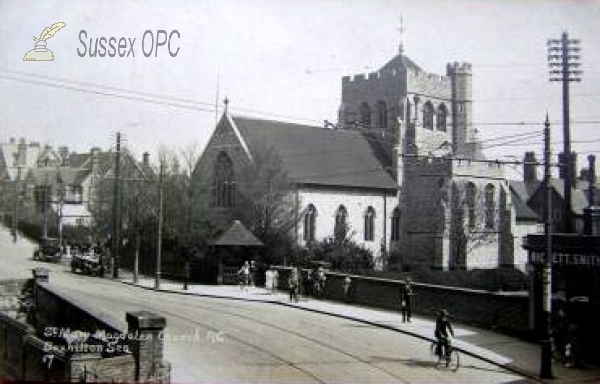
<point>47,349</point>
<point>506,312</point>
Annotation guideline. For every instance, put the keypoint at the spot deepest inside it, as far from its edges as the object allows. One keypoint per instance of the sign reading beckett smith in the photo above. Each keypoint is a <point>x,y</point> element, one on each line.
<point>567,250</point>
<point>566,259</point>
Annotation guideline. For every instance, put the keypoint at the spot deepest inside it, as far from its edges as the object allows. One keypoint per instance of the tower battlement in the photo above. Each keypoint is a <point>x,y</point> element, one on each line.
<point>459,68</point>
<point>371,76</point>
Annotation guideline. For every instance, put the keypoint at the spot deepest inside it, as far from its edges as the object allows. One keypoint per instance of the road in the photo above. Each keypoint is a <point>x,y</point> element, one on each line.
<point>209,340</point>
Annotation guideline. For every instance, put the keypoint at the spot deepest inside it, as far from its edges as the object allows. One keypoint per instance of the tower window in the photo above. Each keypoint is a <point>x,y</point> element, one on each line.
<point>382,114</point>
<point>471,196</point>
<point>396,224</point>
<point>223,182</point>
<point>309,223</point>
<point>369,224</point>
<point>428,116</point>
<point>365,116</point>
<point>489,206</point>
<point>442,114</point>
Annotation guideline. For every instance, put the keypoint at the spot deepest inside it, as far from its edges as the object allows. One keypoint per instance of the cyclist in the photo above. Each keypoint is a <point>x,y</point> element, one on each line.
<point>443,331</point>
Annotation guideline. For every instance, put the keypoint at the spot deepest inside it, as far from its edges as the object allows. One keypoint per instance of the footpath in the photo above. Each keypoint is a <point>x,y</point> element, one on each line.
<point>511,353</point>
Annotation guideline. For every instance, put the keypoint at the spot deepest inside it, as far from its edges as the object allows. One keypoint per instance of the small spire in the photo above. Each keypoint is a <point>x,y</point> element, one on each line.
<point>226,102</point>
<point>547,122</point>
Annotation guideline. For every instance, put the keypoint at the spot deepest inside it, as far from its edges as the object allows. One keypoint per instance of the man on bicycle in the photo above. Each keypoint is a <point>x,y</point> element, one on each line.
<point>443,331</point>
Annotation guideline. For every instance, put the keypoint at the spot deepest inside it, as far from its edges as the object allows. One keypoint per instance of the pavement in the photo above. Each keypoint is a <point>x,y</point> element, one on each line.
<point>508,352</point>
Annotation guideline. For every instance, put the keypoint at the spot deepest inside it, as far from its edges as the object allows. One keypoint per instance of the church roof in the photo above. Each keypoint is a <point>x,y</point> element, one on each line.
<point>317,156</point>
<point>401,61</point>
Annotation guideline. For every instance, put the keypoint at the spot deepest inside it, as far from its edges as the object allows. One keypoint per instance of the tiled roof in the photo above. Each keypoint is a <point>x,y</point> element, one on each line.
<point>238,234</point>
<point>50,176</point>
<point>524,190</point>
<point>522,210</point>
<point>578,199</point>
<point>317,156</point>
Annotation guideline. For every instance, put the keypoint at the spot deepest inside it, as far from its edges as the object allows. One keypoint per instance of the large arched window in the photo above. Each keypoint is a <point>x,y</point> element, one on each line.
<point>428,116</point>
<point>369,224</point>
<point>365,116</point>
<point>341,225</point>
<point>490,206</point>
<point>310,216</point>
<point>382,114</point>
<point>471,199</point>
<point>442,114</point>
<point>223,182</point>
<point>396,224</point>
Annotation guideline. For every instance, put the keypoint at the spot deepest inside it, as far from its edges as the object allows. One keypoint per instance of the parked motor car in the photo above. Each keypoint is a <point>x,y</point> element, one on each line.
<point>87,260</point>
<point>48,250</point>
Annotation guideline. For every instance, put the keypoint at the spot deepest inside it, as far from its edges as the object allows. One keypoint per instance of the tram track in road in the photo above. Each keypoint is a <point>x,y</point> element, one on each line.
<point>188,315</point>
<point>291,332</point>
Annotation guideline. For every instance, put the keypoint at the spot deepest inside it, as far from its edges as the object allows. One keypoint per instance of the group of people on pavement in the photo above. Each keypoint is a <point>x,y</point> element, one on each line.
<point>247,277</point>
<point>313,282</point>
<point>443,328</point>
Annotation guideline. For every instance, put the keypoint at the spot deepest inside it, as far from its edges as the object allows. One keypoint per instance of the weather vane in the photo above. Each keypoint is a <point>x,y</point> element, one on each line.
<point>401,30</point>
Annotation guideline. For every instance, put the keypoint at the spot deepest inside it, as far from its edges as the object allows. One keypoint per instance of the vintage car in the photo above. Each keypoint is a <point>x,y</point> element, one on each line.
<point>48,250</point>
<point>86,261</point>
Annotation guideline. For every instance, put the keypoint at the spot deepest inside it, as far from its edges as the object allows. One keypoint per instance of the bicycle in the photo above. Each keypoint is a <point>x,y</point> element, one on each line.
<point>450,362</point>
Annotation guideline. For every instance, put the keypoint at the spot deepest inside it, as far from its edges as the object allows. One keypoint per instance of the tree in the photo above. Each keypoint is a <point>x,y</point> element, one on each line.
<point>267,203</point>
<point>340,250</point>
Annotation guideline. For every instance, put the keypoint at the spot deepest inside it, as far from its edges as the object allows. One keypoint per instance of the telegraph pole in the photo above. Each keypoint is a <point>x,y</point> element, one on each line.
<point>117,209</point>
<point>545,343</point>
<point>563,59</point>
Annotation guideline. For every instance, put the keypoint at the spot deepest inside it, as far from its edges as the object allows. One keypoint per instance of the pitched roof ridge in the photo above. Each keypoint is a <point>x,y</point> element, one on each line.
<point>303,126</point>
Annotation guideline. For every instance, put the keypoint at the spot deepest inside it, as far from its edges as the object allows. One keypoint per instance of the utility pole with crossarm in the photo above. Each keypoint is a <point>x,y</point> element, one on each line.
<point>563,59</point>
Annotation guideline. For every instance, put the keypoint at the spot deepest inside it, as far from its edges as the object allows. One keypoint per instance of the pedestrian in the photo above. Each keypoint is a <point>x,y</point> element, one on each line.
<point>269,280</point>
<point>293,283</point>
<point>244,276</point>
<point>275,280</point>
<point>347,285</point>
<point>406,300</point>
<point>253,273</point>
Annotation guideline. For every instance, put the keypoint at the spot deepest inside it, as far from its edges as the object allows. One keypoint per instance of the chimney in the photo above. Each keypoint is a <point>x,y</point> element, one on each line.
<point>561,160</point>
<point>95,158</point>
<point>529,167</point>
<point>146,159</point>
<point>22,153</point>
<point>64,156</point>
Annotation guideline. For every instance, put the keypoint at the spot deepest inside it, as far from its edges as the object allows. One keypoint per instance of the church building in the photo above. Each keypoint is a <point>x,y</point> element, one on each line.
<point>455,207</point>
<point>402,170</point>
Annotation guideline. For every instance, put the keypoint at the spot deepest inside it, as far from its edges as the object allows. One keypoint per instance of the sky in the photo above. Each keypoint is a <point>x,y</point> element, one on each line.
<point>283,60</point>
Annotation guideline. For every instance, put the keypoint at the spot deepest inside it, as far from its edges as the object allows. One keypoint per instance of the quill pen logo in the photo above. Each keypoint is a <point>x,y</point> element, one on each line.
<point>40,52</point>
